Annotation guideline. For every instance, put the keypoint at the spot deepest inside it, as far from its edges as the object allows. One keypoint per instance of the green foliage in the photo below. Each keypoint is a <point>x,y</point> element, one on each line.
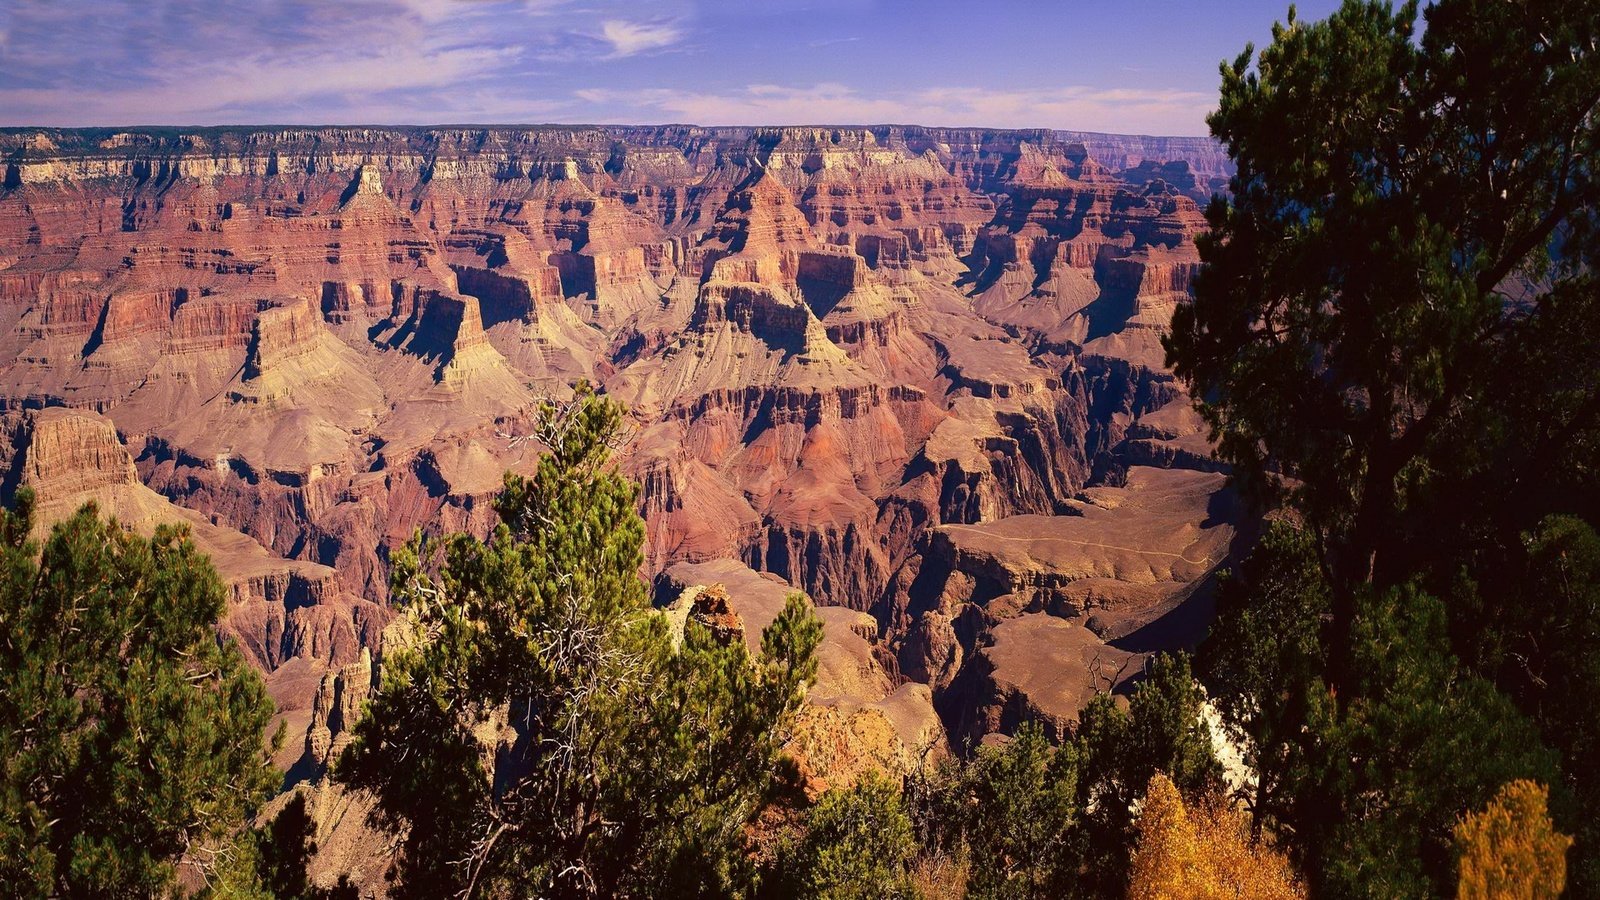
<point>1040,821</point>
<point>1162,731</point>
<point>1541,650</point>
<point>1166,732</point>
<point>1368,786</point>
<point>1411,214</point>
<point>130,736</point>
<point>1396,329</point>
<point>1421,740</point>
<point>858,845</point>
<point>1265,653</point>
<point>712,737</point>
<point>543,734</point>
<point>1014,808</point>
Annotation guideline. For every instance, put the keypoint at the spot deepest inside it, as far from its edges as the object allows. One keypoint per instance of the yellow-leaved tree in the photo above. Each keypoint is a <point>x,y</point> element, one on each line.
<point>1511,850</point>
<point>1203,854</point>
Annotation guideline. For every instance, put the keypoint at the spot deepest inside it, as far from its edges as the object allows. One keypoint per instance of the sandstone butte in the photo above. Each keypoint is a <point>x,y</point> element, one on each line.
<point>913,372</point>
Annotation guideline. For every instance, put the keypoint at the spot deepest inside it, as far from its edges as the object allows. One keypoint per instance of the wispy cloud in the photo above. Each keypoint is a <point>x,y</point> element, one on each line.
<point>129,62</point>
<point>758,104</point>
<point>628,38</point>
<point>277,60</point>
<point>1077,107</point>
<point>443,10</point>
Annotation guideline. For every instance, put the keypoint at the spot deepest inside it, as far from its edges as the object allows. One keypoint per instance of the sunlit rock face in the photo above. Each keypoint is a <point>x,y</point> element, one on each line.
<point>865,362</point>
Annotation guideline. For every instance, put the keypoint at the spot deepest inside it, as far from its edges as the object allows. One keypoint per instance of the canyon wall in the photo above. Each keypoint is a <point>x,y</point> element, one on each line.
<point>915,372</point>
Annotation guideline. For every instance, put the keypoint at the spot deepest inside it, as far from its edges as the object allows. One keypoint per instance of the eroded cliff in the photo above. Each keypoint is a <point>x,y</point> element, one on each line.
<point>865,361</point>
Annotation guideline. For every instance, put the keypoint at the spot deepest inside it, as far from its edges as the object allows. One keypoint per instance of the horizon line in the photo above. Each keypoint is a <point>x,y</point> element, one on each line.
<point>586,126</point>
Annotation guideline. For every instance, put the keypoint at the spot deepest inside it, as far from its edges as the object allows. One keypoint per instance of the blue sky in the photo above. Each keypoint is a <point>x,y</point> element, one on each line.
<point>1136,66</point>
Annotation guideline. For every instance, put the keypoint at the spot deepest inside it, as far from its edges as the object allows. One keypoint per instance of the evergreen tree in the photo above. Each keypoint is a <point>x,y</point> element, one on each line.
<point>544,735</point>
<point>1013,811</point>
<point>1396,330</point>
<point>1409,213</point>
<point>130,737</point>
<point>1396,763</point>
<point>1545,606</point>
<point>711,736</point>
<point>1162,731</point>
<point>1366,787</point>
<point>858,845</point>
<point>1266,657</point>
<point>1032,820</point>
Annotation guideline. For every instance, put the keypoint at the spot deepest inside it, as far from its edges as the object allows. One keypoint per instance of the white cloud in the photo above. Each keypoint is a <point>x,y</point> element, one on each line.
<point>628,38</point>
<point>443,10</point>
<point>222,89</point>
<point>287,63</point>
<point>1123,110</point>
<point>758,104</point>
<point>433,10</point>
<point>419,61</point>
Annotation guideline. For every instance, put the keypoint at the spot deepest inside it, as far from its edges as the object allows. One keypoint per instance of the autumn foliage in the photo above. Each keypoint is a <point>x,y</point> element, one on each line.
<point>1510,850</point>
<point>1202,854</point>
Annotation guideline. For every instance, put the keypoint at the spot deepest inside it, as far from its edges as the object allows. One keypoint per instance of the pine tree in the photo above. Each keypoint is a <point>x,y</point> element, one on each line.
<point>1387,770</point>
<point>1411,215</point>
<point>1542,649</point>
<point>1013,811</point>
<point>1120,751</point>
<point>131,737</point>
<point>712,734</point>
<point>1266,657</point>
<point>1025,819</point>
<point>544,734</point>
<point>858,845</point>
<point>1395,330</point>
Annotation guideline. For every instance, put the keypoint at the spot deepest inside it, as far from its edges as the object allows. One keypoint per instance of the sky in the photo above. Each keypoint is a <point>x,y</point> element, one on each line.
<point>1130,67</point>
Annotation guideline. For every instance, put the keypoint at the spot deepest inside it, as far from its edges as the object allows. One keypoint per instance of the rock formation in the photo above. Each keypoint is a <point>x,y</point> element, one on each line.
<point>857,718</point>
<point>913,372</point>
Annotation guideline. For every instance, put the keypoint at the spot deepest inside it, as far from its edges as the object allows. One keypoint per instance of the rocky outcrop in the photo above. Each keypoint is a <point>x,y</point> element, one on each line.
<point>335,710</point>
<point>280,609</point>
<point>839,348</point>
<point>912,372</point>
<point>1025,617</point>
<point>1204,155</point>
<point>709,609</point>
<point>857,718</point>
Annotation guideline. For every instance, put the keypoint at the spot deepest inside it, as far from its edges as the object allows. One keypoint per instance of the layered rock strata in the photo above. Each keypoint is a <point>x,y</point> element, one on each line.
<point>853,358</point>
<point>280,609</point>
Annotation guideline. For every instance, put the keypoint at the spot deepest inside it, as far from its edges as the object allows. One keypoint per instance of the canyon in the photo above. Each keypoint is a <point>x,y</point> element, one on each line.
<point>915,373</point>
